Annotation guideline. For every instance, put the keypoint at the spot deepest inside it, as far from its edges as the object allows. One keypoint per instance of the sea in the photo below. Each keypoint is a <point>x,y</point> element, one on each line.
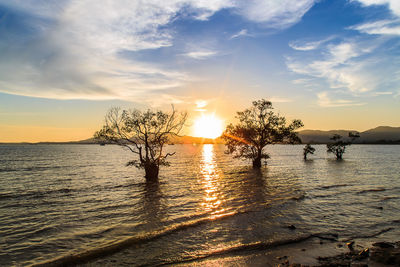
<point>80,204</point>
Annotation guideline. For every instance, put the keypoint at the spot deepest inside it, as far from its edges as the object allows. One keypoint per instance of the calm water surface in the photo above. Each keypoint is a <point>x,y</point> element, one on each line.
<point>60,200</point>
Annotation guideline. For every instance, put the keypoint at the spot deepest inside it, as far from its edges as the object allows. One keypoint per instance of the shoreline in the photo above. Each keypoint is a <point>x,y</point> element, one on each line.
<point>302,250</point>
<point>312,252</point>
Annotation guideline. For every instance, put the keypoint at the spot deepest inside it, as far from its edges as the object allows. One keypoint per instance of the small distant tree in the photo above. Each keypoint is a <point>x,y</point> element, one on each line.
<point>144,133</point>
<point>308,149</point>
<point>338,146</point>
<point>258,127</point>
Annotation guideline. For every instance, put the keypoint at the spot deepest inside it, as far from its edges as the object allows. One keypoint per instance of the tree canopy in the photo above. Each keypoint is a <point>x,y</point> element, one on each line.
<point>338,146</point>
<point>257,127</point>
<point>144,133</point>
<point>308,149</point>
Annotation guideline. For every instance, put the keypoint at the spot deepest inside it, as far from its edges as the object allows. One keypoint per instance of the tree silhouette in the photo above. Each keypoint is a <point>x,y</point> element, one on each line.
<point>144,133</point>
<point>258,127</point>
<point>308,149</point>
<point>338,147</point>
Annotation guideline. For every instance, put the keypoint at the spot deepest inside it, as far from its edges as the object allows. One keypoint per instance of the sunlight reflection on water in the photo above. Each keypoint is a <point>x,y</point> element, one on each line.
<point>211,178</point>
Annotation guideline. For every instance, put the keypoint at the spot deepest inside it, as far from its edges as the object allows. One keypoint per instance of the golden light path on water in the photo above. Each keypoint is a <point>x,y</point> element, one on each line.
<point>211,180</point>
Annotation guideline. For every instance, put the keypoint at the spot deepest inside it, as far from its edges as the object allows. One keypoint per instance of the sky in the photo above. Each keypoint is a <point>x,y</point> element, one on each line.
<point>334,64</point>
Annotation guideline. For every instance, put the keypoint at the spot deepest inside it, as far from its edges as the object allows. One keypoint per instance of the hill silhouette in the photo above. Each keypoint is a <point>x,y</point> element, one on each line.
<point>378,135</point>
<point>381,134</point>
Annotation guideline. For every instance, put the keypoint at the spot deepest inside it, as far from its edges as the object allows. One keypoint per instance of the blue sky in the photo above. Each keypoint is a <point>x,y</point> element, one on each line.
<point>333,64</point>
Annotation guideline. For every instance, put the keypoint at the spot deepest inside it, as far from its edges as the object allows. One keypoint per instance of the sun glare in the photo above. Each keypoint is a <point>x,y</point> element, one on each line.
<point>208,126</point>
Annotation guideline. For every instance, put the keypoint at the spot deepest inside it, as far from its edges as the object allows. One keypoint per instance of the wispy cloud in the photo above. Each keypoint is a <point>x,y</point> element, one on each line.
<point>342,65</point>
<point>306,46</point>
<point>353,68</point>
<point>381,27</point>
<point>201,103</point>
<point>278,14</point>
<point>76,49</point>
<point>200,54</point>
<point>383,93</point>
<point>241,33</point>
<point>325,100</point>
<point>393,5</point>
<point>302,81</point>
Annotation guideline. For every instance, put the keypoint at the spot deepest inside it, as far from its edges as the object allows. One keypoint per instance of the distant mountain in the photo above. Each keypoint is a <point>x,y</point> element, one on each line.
<point>381,134</point>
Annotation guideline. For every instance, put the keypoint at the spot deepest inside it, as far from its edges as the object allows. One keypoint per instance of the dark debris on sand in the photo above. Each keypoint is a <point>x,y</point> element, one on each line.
<point>384,253</point>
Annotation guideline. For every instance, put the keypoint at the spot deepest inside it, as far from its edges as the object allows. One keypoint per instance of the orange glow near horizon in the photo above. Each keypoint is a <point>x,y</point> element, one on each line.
<point>208,126</point>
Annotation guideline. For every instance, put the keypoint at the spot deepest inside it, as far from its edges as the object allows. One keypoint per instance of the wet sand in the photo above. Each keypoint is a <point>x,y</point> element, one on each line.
<point>313,252</point>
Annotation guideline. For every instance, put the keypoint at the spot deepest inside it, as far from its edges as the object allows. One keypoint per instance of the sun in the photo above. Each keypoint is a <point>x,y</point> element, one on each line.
<point>208,126</point>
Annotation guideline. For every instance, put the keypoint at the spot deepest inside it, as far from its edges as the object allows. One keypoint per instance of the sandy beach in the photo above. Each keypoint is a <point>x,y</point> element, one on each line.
<point>313,252</point>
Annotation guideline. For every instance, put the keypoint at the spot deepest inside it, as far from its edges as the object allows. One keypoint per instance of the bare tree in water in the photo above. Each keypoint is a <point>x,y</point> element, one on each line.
<point>144,133</point>
<point>258,127</point>
<point>308,149</point>
<point>338,146</point>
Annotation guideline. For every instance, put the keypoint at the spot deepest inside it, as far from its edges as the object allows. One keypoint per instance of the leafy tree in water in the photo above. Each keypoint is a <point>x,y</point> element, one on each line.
<point>144,133</point>
<point>308,149</point>
<point>338,146</point>
<point>258,127</point>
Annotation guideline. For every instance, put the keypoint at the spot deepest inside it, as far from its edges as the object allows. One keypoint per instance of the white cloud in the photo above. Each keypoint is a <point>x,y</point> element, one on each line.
<point>78,53</point>
<point>304,46</point>
<point>324,100</point>
<point>381,27</point>
<point>352,68</point>
<point>301,81</point>
<point>201,103</point>
<point>307,46</point>
<point>200,54</point>
<point>242,32</point>
<point>48,9</point>
<point>274,13</point>
<point>393,5</point>
<point>341,66</point>
<point>383,93</point>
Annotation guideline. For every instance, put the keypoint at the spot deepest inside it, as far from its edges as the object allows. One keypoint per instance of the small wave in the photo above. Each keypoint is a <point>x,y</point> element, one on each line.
<point>114,247</point>
<point>327,195</point>
<point>257,246</point>
<point>299,197</point>
<point>334,186</point>
<point>6,195</point>
<point>371,190</point>
<point>35,194</point>
<point>390,198</point>
<point>30,169</point>
<point>28,234</point>
<point>371,235</point>
<point>321,196</point>
<point>8,170</point>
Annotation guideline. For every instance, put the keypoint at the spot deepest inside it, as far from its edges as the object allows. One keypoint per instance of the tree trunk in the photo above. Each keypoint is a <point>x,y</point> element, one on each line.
<point>257,163</point>
<point>339,155</point>
<point>151,172</point>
